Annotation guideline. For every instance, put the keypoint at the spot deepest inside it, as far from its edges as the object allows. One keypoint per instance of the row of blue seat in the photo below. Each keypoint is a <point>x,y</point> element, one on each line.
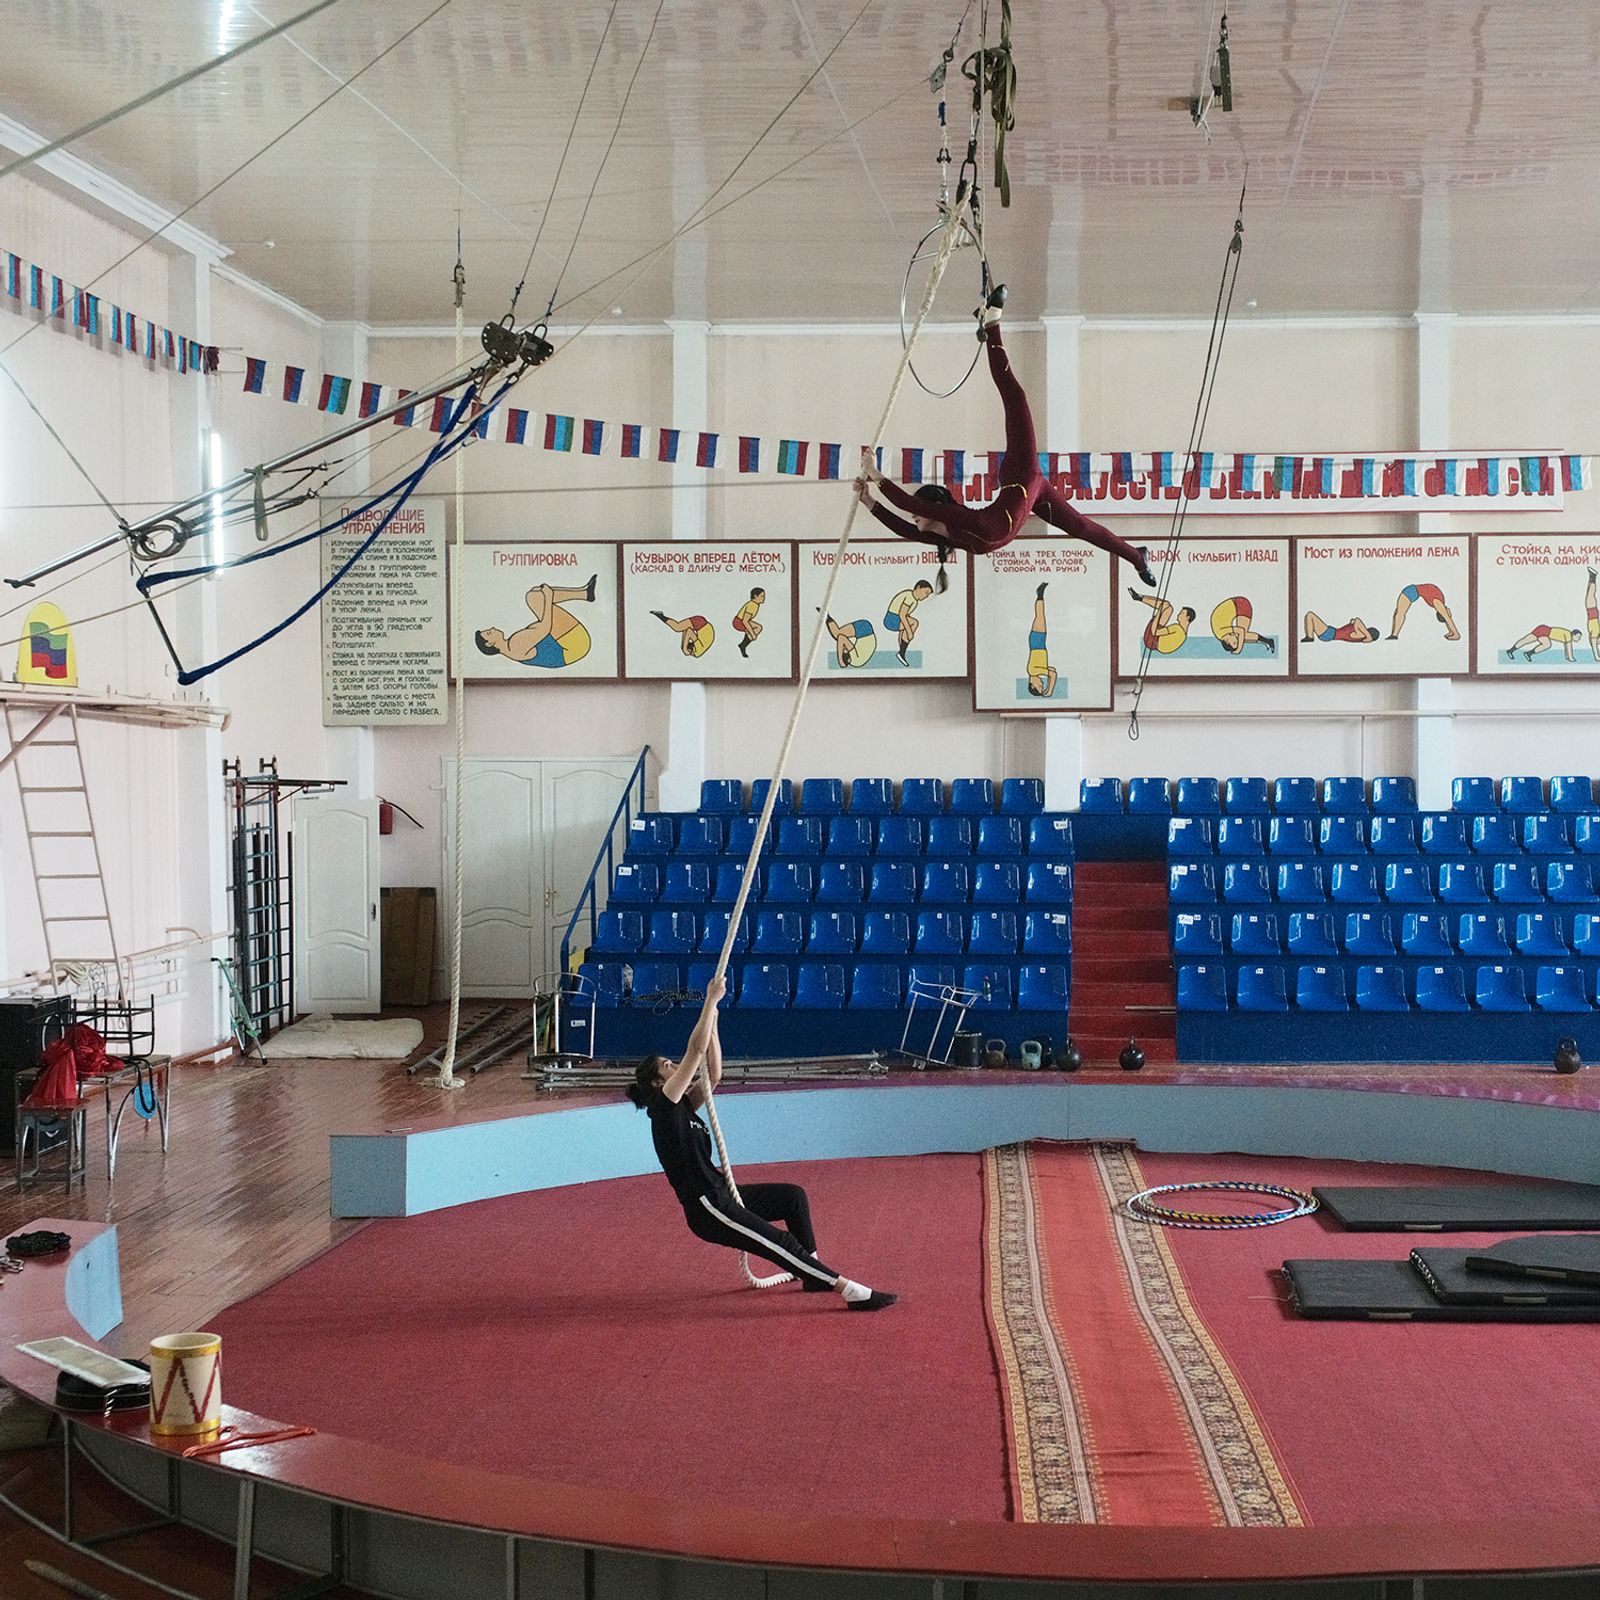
<point>1438,833</point>
<point>893,934</point>
<point>658,835</point>
<point>1210,797</point>
<point>875,797</point>
<point>772,986</point>
<point>688,883</point>
<point>1359,883</point>
<point>1428,936</point>
<point>1317,987</point>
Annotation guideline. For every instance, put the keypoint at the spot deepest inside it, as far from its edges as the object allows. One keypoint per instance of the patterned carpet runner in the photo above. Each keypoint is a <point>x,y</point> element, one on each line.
<point>1119,1407</point>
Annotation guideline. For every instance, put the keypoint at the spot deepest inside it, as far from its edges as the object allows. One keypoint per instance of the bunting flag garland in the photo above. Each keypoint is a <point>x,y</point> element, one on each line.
<point>516,425</point>
<point>792,457</point>
<point>955,466</point>
<point>668,448</point>
<point>749,453</point>
<point>293,379</point>
<point>632,434</point>
<point>828,460</point>
<point>706,452</point>
<point>594,434</point>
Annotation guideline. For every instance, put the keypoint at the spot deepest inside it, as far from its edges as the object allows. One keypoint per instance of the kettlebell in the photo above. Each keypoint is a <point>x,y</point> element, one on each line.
<point>1567,1057</point>
<point>994,1053</point>
<point>1068,1057</point>
<point>1132,1057</point>
<point>1032,1055</point>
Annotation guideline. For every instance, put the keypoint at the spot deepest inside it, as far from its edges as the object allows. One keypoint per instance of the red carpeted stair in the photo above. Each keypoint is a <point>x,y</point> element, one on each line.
<point>1121,958</point>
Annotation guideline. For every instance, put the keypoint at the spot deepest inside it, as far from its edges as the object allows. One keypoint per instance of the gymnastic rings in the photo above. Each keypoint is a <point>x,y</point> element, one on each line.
<point>159,541</point>
<point>967,239</point>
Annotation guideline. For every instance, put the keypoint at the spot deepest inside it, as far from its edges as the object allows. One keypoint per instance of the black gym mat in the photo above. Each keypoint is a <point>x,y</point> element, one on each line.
<point>1573,1259</point>
<point>1454,1282</point>
<point>1464,1208</point>
<point>1393,1291</point>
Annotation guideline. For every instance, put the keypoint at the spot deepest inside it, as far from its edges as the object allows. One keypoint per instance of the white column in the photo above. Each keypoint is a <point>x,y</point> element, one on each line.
<point>1063,735</point>
<point>1063,762</point>
<point>1433,745</point>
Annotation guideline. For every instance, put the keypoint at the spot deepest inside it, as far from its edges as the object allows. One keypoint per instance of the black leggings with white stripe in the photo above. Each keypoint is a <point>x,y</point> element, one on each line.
<point>751,1227</point>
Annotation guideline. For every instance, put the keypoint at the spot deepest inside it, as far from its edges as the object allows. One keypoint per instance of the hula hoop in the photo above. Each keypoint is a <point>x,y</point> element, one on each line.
<point>1142,1207</point>
<point>969,238</point>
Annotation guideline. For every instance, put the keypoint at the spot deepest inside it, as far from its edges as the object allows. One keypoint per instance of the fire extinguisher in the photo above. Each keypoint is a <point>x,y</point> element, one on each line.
<point>386,811</point>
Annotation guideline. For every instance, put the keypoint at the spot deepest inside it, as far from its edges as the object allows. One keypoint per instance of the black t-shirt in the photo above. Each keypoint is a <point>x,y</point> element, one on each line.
<point>683,1147</point>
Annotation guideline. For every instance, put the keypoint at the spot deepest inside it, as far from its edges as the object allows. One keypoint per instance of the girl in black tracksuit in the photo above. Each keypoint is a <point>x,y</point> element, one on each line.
<point>670,1092</point>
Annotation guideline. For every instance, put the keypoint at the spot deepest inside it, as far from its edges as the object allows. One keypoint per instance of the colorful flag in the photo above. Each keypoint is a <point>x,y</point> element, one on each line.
<point>1245,467</point>
<point>1577,472</point>
<point>705,454</point>
<point>480,421</point>
<point>58,297</point>
<point>149,341</point>
<point>181,349</point>
<point>1082,471</point>
<point>1122,466</point>
<point>1283,473</point>
<point>371,400</point>
<point>13,276</point>
<point>1208,469</point>
<point>911,465</point>
<point>955,466</point>
<point>749,453</point>
<point>516,425</point>
<point>594,436</point>
<point>1365,469</point>
<point>171,344</point>
<point>1451,475</point>
<point>407,417</point>
<point>255,374</point>
<point>293,379</point>
<point>131,324</point>
<point>792,456</point>
<point>35,288</point>
<point>667,444</point>
<point>1161,466</point>
<point>1408,476</point>
<point>1325,475</point>
<point>444,414</point>
<point>632,438</point>
<point>557,432</point>
<point>116,324</point>
<point>828,460</point>
<point>1533,479</point>
<point>335,395</point>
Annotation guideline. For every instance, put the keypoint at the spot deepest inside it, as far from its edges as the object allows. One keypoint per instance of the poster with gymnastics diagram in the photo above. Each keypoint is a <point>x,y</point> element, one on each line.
<point>536,613</point>
<point>1224,612</point>
<point>888,621</point>
<point>1383,607</point>
<point>1538,605</point>
<point>707,609</point>
<point>1041,627</point>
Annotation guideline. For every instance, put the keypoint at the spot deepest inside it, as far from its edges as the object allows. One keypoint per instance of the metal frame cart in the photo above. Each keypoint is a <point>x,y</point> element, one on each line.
<point>953,1003</point>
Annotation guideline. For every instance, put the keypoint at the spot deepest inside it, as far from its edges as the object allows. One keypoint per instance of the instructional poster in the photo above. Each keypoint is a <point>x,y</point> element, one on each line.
<point>1383,607</point>
<point>1041,627</point>
<point>1223,612</point>
<point>383,623</point>
<point>537,613</point>
<point>708,610</point>
<point>1538,604</point>
<point>886,617</point>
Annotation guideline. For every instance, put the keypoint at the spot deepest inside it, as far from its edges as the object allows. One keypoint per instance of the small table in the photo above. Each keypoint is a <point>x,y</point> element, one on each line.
<point>119,1089</point>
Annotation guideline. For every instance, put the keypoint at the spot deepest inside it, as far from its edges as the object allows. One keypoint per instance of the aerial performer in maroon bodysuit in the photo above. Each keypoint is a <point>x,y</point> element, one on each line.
<point>937,518</point>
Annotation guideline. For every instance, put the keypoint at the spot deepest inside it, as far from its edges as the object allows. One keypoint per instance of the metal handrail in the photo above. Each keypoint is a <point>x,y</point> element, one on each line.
<point>605,856</point>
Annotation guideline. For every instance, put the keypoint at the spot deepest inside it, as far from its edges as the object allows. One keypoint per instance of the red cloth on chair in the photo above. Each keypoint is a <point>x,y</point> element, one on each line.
<point>79,1053</point>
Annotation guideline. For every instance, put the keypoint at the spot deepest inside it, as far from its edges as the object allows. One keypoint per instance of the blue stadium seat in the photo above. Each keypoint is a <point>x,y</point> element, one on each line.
<point>832,933</point>
<point>822,797</point>
<point>1197,935</point>
<point>1340,795</point>
<point>949,836</point>
<point>1190,885</point>
<point>722,797</point>
<point>1320,988</point>
<point>1021,797</point>
<point>1311,935</point>
<point>1545,835</point>
<point>921,797</point>
<point>1245,883</point>
<point>1569,881</point>
<point>894,883</point>
<point>886,933</point>
<point>1245,797</point>
<point>992,984</point>
<point>1444,834</point>
<point>1190,836</point>
<point>1561,988</point>
<point>1538,933</point>
<point>850,836</point>
<point>700,836</point>
<point>1100,795</point>
<point>799,836</point>
<point>606,976</point>
<point>739,833</point>
<point>1353,883</point>
<point>1291,836</point>
<point>651,836</point>
<point>1426,934</point>
<point>1049,883</point>
<point>1381,989</point>
<point>1441,989</point>
<point>1570,795</point>
<point>790,883</point>
<point>1198,797</point>
<point>1342,836</point>
<point>1262,989</point>
<point>1240,836</point>
<point>1042,988</point>
<point>997,883</point>
<point>1394,794</point>
<point>763,986</point>
<point>1046,933</point>
<point>730,874</point>
<point>714,929</point>
<point>778,933</point>
<point>1586,835</point>
<point>946,883</point>
<point>1407,883</point>
<point>819,986</point>
<point>999,837</point>
<point>1393,836</point>
<point>971,797</point>
<point>1522,794</point>
<point>994,933</point>
<point>1149,797</point>
<point>1301,881</point>
<point>1586,935</point>
<point>1475,796</point>
<point>1500,989</point>
<point>781,806</point>
<point>875,986</point>
<point>1294,796</point>
<point>1050,836</point>
<point>1482,934</point>
<point>618,933</point>
<point>1202,988</point>
<point>931,974</point>
<point>635,885</point>
<point>1254,933</point>
<point>1368,933</point>
<point>1496,835</point>
<point>941,933</point>
<point>1461,883</point>
<point>1517,883</point>
<point>671,933</point>
<point>656,978</point>
<point>871,797</point>
<point>841,883</point>
<point>900,836</point>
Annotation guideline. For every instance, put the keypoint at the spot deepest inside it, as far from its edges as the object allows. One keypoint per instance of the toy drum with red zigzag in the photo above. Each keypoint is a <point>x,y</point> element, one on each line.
<point>186,1383</point>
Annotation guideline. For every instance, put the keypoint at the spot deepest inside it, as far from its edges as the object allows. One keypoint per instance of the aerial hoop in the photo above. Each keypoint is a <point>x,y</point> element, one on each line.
<point>968,238</point>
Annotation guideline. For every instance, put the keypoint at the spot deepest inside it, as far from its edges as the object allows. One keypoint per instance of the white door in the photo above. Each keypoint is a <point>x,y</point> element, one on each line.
<point>337,959</point>
<point>580,798</point>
